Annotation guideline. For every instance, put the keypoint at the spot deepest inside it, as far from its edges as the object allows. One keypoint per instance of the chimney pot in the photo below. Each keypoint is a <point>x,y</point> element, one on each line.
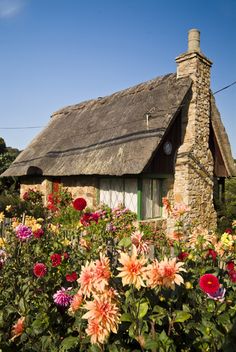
<point>194,40</point>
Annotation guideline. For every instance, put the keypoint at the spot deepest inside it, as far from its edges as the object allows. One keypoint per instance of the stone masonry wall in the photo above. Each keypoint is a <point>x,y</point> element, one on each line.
<point>85,187</point>
<point>193,183</point>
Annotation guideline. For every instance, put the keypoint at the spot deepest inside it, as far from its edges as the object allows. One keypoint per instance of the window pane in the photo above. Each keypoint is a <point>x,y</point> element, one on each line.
<point>117,196</point>
<point>131,199</point>
<point>147,199</point>
<point>105,191</point>
<point>151,199</point>
<point>156,199</point>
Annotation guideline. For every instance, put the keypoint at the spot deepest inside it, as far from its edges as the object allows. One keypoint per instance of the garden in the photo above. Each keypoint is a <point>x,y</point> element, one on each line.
<point>74,278</point>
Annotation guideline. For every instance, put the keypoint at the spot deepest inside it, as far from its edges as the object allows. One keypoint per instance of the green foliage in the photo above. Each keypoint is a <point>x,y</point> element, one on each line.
<point>8,185</point>
<point>153,317</point>
<point>227,209</point>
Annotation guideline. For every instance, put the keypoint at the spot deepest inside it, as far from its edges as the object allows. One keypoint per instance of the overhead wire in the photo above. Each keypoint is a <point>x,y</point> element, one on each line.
<point>35,127</point>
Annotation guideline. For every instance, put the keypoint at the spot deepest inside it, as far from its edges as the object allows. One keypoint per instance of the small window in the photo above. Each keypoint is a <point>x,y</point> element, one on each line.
<point>115,191</point>
<point>151,199</point>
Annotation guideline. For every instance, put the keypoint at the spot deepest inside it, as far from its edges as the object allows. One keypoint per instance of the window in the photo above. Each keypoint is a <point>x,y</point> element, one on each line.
<point>142,196</point>
<point>114,191</point>
<point>151,198</point>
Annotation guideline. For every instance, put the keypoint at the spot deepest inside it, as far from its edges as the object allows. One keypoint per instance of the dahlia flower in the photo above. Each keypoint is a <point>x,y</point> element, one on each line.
<point>141,245</point>
<point>79,204</point>
<point>86,279</point>
<point>97,333</point>
<point>102,273</point>
<point>133,270</point>
<point>104,312</point>
<point>56,259</point>
<point>209,283</point>
<point>71,277</point>
<point>179,210</point>
<point>218,295</point>
<point>38,233</point>
<point>39,269</point>
<point>62,297</point>
<point>165,273</point>
<point>18,328</point>
<point>211,253</point>
<point>75,303</point>
<point>23,232</point>
<point>154,277</point>
<point>169,270</point>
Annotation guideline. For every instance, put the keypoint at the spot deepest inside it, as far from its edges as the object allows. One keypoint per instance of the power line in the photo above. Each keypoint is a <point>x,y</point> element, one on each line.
<point>224,88</point>
<point>34,127</point>
<point>20,128</point>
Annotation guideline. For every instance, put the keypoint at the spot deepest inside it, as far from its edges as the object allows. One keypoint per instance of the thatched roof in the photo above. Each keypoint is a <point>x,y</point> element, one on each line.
<point>110,135</point>
<point>106,136</point>
<point>222,139</point>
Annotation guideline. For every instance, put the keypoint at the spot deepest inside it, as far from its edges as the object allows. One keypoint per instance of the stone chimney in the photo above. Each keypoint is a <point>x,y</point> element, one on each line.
<point>193,183</point>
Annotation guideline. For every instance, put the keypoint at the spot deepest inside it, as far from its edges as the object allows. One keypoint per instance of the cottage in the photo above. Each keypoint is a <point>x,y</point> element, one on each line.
<point>160,138</point>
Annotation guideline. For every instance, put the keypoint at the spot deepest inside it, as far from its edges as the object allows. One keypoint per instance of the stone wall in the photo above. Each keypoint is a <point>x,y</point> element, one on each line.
<point>86,187</point>
<point>83,186</point>
<point>37,184</point>
<point>193,183</point>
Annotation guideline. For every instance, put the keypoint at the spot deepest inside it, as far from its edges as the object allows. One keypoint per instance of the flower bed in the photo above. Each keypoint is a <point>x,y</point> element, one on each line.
<point>79,279</point>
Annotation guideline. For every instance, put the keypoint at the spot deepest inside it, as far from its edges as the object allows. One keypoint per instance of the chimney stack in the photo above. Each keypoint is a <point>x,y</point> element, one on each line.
<point>194,161</point>
<point>194,41</point>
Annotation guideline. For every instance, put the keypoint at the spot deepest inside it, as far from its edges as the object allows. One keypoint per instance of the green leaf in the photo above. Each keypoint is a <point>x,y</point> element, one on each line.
<point>180,316</point>
<point>40,324</point>
<point>126,317</point>
<point>68,343</point>
<point>125,242</point>
<point>150,344</point>
<point>143,308</point>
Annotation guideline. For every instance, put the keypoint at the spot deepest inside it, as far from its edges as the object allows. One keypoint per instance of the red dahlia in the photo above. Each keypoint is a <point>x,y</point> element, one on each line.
<point>79,204</point>
<point>211,253</point>
<point>40,269</point>
<point>71,277</point>
<point>56,259</point>
<point>209,283</point>
<point>230,266</point>
<point>182,256</point>
<point>38,233</point>
<point>232,275</point>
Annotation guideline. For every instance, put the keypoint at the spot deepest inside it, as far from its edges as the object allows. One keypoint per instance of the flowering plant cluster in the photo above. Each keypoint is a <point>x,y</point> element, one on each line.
<point>82,279</point>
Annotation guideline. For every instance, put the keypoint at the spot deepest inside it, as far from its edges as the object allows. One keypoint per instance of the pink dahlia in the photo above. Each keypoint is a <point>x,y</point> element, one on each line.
<point>39,269</point>
<point>23,232</point>
<point>209,283</point>
<point>62,297</point>
<point>79,204</point>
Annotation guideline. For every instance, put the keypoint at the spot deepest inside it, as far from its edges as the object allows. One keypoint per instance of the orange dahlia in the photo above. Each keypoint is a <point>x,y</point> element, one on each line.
<point>133,270</point>
<point>102,273</point>
<point>86,279</point>
<point>169,271</point>
<point>18,328</point>
<point>76,302</point>
<point>104,312</point>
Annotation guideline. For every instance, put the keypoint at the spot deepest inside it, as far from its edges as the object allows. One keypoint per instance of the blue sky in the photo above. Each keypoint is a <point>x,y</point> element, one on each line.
<point>56,53</point>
